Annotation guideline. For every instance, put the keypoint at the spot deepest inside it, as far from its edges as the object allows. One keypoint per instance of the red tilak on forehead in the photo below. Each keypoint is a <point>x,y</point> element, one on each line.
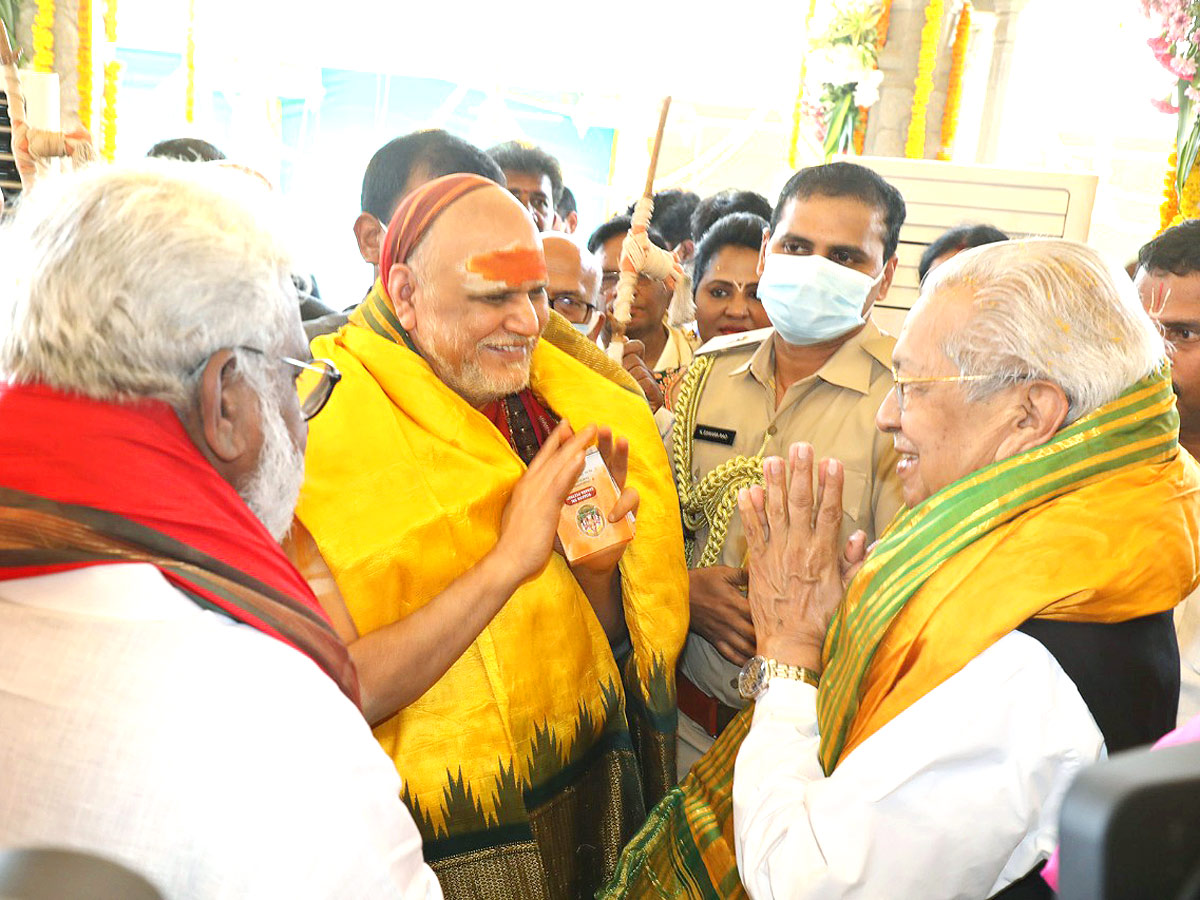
<point>509,267</point>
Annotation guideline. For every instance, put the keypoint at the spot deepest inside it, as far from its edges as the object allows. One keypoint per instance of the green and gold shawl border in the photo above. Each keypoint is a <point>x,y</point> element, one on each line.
<point>376,314</point>
<point>1138,427</point>
<point>685,848</point>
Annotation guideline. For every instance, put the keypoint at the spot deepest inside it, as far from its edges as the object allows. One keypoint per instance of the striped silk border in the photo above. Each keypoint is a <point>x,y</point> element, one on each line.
<point>1138,427</point>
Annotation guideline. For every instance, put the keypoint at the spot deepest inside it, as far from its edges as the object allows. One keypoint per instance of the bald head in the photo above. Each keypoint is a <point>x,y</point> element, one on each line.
<point>472,295</point>
<point>573,277</point>
<point>485,220</point>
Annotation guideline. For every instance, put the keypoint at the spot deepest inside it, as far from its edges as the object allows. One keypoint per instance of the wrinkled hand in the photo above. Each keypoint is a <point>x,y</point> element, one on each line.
<point>721,612</point>
<point>854,556</point>
<point>530,522</point>
<point>615,453</point>
<point>636,366</point>
<point>796,567</point>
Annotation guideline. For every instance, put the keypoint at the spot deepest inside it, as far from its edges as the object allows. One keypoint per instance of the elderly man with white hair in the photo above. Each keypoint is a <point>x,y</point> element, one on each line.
<point>171,694</point>
<point>922,708</point>
<point>921,712</point>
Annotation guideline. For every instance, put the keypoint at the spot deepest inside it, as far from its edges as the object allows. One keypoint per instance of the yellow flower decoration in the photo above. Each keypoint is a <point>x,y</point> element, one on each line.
<point>914,146</point>
<point>798,106</point>
<point>112,71</point>
<point>84,74</point>
<point>109,148</point>
<point>958,62</point>
<point>1169,208</point>
<point>43,37</point>
<point>189,103</point>
<point>1189,200</point>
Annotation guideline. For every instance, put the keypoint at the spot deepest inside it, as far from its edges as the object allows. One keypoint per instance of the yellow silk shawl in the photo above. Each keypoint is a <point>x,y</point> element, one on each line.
<point>404,491</point>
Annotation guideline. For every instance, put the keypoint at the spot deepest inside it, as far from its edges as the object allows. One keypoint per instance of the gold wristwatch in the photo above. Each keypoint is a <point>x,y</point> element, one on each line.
<point>759,671</point>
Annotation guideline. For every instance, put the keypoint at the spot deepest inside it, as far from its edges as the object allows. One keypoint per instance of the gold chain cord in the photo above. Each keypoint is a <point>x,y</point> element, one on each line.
<point>713,499</point>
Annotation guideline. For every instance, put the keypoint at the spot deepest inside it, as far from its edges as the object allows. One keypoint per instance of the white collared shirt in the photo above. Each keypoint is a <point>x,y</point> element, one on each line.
<point>210,758</point>
<point>1187,630</point>
<point>956,797</point>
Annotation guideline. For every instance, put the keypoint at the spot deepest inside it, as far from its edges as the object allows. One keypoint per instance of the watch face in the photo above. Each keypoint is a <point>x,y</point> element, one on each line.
<point>752,677</point>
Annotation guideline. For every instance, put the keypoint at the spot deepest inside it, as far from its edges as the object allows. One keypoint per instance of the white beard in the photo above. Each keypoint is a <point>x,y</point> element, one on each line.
<point>272,489</point>
<point>468,379</point>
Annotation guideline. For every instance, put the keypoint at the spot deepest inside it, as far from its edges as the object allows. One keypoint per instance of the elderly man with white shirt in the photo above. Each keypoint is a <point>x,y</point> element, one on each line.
<point>171,695</point>
<point>921,709</point>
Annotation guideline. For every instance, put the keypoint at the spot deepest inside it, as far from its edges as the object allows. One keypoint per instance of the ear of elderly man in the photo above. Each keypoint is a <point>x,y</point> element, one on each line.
<point>172,696</point>
<point>921,709</point>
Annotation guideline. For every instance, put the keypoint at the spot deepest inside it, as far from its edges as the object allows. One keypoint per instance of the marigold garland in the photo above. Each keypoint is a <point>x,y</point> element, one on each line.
<point>798,107</point>
<point>189,104</point>
<point>1169,208</point>
<point>859,138</point>
<point>914,146</point>
<point>1189,200</point>
<point>43,37</point>
<point>109,148</point>
<point>958,63</point>
<point>881,26</point>
<point>84,74</point>
<point>111,72</point>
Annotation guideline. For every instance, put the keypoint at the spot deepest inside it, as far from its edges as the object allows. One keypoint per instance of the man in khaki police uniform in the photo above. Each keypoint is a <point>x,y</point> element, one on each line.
<point>818,375</point>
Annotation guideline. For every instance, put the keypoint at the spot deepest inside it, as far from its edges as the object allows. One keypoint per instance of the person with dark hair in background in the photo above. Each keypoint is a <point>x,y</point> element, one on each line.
<point>955,241</point>
<point>186,149</point>
<point>665,342</point>
<point>534,177</point>
<point>725,203</point>
<point>401,166</point>
<point>725,277</point>
<point>819,375</point>
<point>1168,284</point>
<point>398,167</point>
<point>673,220</point>
<point>567,212</point>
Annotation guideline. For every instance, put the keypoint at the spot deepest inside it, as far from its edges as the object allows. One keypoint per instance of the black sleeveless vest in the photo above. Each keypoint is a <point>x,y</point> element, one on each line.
<point>1127,674</point>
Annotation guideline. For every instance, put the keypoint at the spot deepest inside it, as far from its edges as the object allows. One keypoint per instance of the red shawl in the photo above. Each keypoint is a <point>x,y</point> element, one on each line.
<point>85,482</point>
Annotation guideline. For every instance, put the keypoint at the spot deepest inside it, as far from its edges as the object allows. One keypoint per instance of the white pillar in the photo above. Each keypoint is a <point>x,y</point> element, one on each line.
<point>1007,13</point>
<point>887,126</point>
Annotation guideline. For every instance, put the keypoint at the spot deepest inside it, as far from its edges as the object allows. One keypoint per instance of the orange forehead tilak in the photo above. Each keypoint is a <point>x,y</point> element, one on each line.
<point>511,268</point>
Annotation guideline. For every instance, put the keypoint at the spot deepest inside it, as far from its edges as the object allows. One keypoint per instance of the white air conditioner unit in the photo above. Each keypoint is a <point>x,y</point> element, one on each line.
<point>941,195</point>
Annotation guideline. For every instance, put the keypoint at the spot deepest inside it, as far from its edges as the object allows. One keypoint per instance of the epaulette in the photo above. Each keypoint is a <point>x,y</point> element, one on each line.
<point>724,342</point>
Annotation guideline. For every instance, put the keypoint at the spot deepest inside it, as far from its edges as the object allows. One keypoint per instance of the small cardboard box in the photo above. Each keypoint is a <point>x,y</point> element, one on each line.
<point>583,525</point>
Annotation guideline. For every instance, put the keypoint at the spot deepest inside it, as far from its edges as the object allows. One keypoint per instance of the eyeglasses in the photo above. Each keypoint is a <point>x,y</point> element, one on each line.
<point>903,381</point>
<point>571,308</point>
<point>314,381</point>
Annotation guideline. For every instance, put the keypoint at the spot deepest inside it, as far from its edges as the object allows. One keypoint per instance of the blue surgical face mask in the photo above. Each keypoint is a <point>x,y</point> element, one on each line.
<point>585,328</point>
<point>811,299</point>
